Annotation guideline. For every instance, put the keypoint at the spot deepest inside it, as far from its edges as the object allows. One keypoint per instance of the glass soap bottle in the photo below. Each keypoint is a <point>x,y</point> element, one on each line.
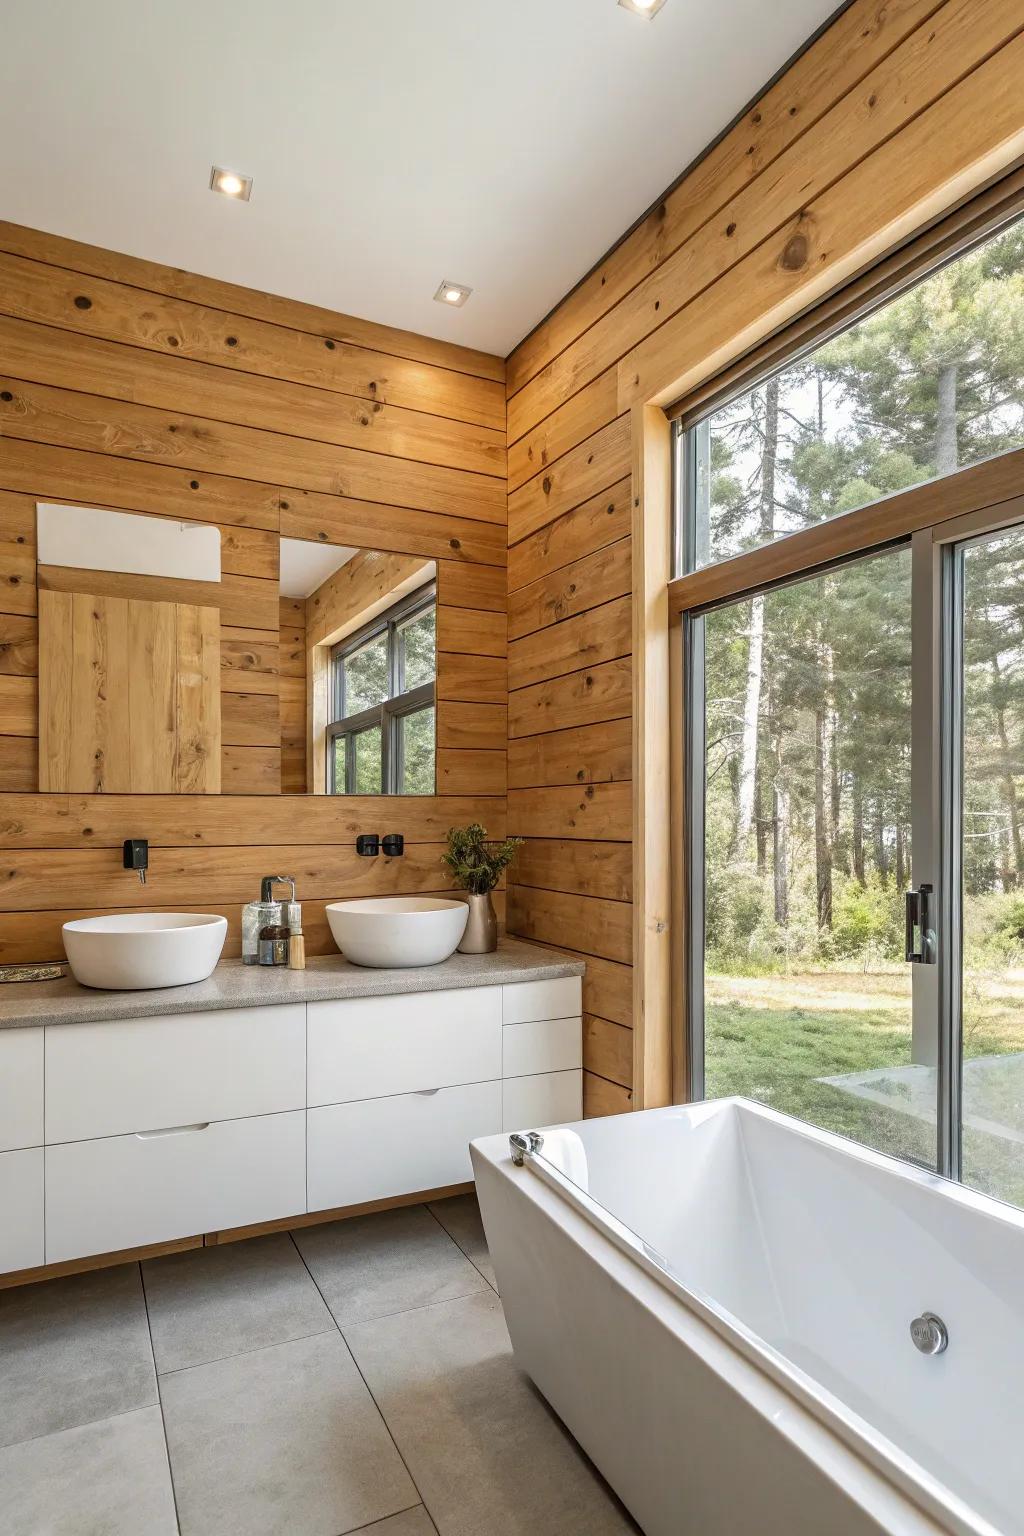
<point>257,915</point>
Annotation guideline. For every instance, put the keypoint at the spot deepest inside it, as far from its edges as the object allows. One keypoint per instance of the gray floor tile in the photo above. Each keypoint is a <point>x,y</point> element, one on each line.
<point>371,1266</point>
<point>107,1478</point>
<point>460,1217</point>
<point>414,1522</point>
<point>489,1458</point>
<point>73,1350</point>
<point>210,1302</point>
<point>279,1442</point>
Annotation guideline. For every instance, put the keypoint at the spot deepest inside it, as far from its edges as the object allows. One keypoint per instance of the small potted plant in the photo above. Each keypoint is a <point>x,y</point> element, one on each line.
<point>477,866</point>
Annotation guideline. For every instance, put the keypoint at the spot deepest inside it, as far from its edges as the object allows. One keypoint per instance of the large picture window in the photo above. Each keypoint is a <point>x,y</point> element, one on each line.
<point>380,740</point>
<point>928,383</point>
<point>854,728</point>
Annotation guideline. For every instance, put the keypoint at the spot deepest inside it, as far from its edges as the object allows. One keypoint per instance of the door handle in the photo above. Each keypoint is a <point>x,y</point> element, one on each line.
<point>172,1130</point>
<point>918,914</point>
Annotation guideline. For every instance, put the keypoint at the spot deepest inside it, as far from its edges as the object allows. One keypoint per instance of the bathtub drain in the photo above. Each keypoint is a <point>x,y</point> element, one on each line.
<point>929,1333</point>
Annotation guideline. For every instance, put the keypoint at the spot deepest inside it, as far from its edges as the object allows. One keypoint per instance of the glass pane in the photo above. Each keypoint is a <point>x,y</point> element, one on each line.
<point>366,676</point>
<point>416,753</point>
<point>368,774</point>
<point>993,867</point>
<point>337,779</point>
<point>807,854</point>
<point>932,382</point>
<point>416,639</point>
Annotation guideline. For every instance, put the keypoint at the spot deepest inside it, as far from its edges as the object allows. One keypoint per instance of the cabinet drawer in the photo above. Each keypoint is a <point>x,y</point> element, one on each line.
<point>550,1098</point>
<point>21,1088</point>
<point>558,999</point>
<point>545,1045</point>
<point>374,1047</point>
<point>382,1147</point>
<point>124,1191</point>
<point>21,1209</point>
<point>147,1074</point>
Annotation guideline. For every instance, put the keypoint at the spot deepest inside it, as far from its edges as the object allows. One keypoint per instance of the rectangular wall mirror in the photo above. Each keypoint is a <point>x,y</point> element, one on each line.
<point>159,674</point>
<point>363,650</point>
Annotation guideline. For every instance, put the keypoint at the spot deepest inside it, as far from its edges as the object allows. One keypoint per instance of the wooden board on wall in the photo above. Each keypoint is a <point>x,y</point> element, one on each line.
<point>265,418</point>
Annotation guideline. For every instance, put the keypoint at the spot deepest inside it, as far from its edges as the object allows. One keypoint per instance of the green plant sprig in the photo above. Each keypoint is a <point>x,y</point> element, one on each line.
<point>477,865</point>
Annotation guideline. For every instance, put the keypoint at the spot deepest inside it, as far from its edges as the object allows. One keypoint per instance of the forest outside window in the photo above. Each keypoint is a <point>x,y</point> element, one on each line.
<point>381,737</point>
<point>930,382</point>
<point>854,730</point>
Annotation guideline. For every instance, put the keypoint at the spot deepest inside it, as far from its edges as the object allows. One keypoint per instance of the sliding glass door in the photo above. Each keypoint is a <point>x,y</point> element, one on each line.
<point>856,848</point>
<point>987,577</point>
<point>803,778</point>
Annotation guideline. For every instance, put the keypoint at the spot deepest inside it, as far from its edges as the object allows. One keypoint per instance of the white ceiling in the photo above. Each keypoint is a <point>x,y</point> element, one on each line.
<point>501,143</point>
<point>306,566</point>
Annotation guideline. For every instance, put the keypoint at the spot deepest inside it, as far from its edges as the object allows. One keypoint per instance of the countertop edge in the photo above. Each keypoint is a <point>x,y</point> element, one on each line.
<point>234,985</point>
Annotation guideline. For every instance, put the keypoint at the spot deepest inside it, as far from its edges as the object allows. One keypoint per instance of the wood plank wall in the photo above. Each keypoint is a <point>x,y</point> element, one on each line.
<point>130,385</point>
<point>898,102</point>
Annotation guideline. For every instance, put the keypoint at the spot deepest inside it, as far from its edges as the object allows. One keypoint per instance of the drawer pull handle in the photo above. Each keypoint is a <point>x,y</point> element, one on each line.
<point>426,1093</point>
<point>172,1130</point>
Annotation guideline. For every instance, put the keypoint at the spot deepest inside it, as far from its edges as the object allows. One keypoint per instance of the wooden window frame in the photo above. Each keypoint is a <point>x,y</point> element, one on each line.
<point>390,713</point>
<point>661,600</point>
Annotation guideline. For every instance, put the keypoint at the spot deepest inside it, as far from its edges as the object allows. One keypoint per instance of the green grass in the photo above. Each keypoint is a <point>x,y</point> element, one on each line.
<point>771,1038</point>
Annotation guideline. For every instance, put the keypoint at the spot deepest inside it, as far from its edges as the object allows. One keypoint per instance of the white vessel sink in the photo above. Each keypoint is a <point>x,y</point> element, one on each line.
<point>397,930</point>
<point>144,949</point>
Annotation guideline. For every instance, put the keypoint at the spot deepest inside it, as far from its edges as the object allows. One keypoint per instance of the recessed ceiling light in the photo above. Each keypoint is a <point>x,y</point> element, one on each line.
<point>230,183</point>
<point>646,8</point>
<point>454,294</point>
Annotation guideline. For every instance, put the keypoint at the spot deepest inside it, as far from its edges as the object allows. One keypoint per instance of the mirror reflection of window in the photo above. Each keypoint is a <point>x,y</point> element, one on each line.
<point>381,736</point>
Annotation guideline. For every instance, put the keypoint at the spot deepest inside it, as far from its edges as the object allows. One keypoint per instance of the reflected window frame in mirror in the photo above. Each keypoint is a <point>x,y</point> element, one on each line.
<point>388,717</point>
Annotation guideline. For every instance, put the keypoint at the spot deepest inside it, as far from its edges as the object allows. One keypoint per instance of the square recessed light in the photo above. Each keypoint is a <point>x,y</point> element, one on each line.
<point>453,294</point>
<point>648,8</point>
<point>230,183</point>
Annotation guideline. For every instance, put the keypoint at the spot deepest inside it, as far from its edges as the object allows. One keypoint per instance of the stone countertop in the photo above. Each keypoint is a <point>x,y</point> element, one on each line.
<point>234,985</point>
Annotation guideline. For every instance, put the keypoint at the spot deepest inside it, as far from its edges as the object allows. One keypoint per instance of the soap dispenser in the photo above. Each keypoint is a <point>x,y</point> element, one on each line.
<point>257,915</point>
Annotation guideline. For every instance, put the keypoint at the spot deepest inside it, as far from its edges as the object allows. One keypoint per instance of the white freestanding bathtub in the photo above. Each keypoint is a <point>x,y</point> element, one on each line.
<point>717,1300</point>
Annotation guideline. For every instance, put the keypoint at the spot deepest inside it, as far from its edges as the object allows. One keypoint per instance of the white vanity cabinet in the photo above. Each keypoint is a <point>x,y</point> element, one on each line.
<point>21,1148</point>
<point>166,1127</point>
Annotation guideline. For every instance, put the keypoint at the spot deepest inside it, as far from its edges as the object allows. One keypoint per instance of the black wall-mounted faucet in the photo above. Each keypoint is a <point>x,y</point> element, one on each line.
<point>136,856</point>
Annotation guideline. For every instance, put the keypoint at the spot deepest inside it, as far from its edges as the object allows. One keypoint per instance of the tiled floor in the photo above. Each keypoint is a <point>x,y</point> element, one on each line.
<point>355,1377</point>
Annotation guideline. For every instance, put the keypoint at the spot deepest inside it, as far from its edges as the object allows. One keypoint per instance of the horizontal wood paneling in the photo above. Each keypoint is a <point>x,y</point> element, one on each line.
<point>608,1050</point>
<point>602,520</point>
<point>601,811</point>
<point>170,821</point>
<point>590,754</point>
<point>132,386</point>
<point>210,291</point>
<point>39,354</point>
<point>468,771</point>
<point>470,631</point>
<point>593,925</point>
<point>471,586</point>
<point>71,419</point>
<point>585,868</point>
<point>178,328</point>
<point>600,1097</point>
<point>472,726</point>
<point>584,472</point>
<point>581,698</point>
<point>586,583</point>
<point>587,639</point>
<point>895,113</point>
